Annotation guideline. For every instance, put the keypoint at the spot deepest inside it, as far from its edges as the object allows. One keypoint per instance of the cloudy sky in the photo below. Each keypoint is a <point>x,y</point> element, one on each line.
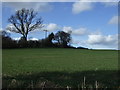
<point>93,24</point>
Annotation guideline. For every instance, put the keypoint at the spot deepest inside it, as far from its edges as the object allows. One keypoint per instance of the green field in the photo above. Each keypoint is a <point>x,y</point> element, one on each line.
<point>61,67</point>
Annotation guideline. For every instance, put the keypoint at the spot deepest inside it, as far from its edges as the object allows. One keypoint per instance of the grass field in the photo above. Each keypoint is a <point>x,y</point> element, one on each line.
<point>61,67</point>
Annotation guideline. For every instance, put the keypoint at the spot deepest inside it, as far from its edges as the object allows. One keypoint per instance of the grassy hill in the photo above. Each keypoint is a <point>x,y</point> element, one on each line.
<point>59,67</point>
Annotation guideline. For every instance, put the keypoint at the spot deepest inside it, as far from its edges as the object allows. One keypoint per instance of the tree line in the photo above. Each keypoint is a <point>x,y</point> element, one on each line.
<point>59,40</point>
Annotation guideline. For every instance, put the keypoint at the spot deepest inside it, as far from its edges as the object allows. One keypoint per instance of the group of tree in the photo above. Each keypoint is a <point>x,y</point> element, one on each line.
<point>60,39</point>
<point>7,41</point>
<point>25,21</point>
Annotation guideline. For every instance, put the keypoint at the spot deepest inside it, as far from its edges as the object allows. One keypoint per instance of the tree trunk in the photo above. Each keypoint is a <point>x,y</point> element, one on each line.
<point>25,38</point>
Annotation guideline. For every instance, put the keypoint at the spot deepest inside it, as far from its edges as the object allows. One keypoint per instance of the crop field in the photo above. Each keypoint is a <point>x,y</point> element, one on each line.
<point>55,67</point>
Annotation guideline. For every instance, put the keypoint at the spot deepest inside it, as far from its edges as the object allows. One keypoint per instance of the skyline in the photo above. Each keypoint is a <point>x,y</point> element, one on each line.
<point>93,24</point>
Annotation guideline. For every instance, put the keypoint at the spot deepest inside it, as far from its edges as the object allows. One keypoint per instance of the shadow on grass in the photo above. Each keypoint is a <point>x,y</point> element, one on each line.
<point>108,78</point>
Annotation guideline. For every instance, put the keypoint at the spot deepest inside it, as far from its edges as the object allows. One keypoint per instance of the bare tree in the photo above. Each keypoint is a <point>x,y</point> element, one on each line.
<point>25,21</point>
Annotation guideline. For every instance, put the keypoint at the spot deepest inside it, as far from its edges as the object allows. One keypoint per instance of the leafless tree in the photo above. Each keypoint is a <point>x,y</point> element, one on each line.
<point>25,21</point>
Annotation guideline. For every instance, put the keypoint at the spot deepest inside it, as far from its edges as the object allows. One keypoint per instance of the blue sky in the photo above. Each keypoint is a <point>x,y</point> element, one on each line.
<point>93,24</point>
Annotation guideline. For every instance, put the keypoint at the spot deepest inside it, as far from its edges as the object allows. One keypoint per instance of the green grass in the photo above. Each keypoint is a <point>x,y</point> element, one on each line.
<point>61,66</point>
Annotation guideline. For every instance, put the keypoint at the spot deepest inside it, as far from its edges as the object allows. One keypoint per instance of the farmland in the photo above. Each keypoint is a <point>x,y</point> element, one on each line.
<point>61,67</point>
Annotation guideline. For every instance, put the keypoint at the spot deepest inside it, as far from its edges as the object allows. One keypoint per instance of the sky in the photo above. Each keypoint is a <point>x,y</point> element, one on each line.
<point>93,24</point>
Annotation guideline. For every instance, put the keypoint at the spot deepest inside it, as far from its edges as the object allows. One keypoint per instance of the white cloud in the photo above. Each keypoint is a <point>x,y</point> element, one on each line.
<point>51,27</point>
<point>33,39</point>
<point>79,31</point>
<point>8,32</point>
<point>86,5</point>
<point>109,4</point>
<point>37,6</point>
<point>1,29</point>
<point>113,20</point>
<point>67,29</point>
<point>102,40</point>
<point>10,27</point>
<point>16,38</point>
<point>79,7</point>
<point>73,41</point>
